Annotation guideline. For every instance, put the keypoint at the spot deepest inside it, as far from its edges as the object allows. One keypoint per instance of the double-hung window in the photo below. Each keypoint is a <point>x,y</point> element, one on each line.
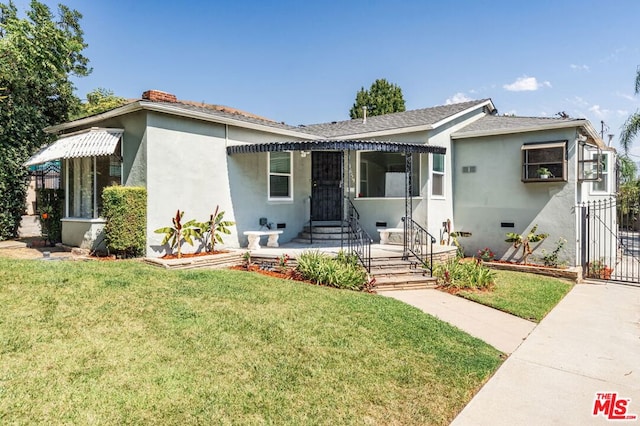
<point>280,176</point>
<point>437,175</point>
<point>602,184</point>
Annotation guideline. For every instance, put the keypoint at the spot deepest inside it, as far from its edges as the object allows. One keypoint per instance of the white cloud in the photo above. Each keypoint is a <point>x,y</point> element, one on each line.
<point>578,101</point>
<point>582,67</point>
<point>526,84</point>
<point>623,113</point>
<point>457,98</point>
<point>626,96</point>
<point>599,112</point>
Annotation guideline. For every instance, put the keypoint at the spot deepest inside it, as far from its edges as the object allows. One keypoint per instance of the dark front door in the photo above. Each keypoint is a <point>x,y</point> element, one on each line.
<point>326,193</point>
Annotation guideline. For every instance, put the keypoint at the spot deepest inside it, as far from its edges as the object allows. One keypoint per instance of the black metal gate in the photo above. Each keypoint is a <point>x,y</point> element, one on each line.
<point>610,239</point>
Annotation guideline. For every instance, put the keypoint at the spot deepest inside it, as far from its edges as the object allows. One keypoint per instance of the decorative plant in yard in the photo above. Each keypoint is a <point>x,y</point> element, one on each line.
<point>283,260</point>
<point>553,259</point>
<point>525,241</point>
<point>179,232</point>
<point>458,274</point>
<point>339,272</point>
<point>599,269</point>
<point>215,227</point>
<point>486,254</point>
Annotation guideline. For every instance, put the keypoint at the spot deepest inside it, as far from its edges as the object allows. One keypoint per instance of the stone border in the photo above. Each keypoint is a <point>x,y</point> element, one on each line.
<point>222,260</point>
<point>574,274</point>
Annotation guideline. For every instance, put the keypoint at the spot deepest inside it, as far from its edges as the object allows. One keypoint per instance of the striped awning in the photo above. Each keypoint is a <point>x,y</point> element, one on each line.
<point>337,145</point>
<point>94,142</point>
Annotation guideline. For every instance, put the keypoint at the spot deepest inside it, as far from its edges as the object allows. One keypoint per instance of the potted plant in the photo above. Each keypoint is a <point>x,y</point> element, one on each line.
<point>544,173</point>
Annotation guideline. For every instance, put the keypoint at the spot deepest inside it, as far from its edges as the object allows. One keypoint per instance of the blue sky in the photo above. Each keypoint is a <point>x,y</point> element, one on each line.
<point>302,62</point>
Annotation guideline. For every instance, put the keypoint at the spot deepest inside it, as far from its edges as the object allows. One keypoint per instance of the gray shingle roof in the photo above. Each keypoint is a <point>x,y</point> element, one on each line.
<point>227,114</point>
<point>509,124</point>
<point>417,117</point>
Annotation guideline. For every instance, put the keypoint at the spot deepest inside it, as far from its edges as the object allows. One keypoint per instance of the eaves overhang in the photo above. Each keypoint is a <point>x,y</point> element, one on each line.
<point>506,131</point>
<point>174,110</point>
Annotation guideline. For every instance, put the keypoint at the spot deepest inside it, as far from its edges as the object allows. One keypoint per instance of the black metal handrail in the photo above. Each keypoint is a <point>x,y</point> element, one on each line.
<point>311,219</point>
<point>419,243</point>
<point>359,241</point>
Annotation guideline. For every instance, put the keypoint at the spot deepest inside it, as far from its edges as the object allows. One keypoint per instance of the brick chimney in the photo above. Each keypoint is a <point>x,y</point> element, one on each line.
<point>159,96</point>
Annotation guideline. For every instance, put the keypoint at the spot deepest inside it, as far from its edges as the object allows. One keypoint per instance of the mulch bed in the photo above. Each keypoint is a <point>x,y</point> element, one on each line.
<point>287,274</point>
<point>188,255</point>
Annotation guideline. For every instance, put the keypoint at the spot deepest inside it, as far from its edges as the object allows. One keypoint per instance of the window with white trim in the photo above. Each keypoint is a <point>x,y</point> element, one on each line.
<point>437,175</point>
<point>382,174</point>
<point>280,176</point>
<point>602,184</point>
<point>86,179</point>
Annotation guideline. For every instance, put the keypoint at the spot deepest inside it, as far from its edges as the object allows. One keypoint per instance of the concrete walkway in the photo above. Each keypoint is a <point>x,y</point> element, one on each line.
<point>589,344</point>
<point>503,331</point>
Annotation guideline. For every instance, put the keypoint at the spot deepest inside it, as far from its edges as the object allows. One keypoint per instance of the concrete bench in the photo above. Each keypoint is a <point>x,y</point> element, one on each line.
<point>254,238</point>
<point>385,232</point>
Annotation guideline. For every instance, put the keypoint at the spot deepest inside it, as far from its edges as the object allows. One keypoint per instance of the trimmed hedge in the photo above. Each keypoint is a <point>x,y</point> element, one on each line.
<point>125,209</point>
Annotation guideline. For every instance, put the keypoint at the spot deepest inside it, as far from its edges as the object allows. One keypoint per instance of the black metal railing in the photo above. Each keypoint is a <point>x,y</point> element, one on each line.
<point>418,242</point>
<point>311,219</point>
<point>359,241</point>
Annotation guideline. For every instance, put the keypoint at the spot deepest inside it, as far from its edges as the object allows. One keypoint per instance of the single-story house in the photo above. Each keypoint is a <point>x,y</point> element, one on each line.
<point>451,167</point>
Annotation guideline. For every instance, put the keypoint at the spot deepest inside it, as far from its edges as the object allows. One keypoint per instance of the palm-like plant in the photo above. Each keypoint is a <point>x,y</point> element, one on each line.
<point>216,226</point>
<point>631,127</point>
<point>179,232</point>
<point>525,241</point>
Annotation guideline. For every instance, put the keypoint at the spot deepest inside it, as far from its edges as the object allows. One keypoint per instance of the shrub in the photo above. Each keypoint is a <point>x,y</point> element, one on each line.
<point>334,272</point>
<point>553,258</point>
<point>50,203</point>
<point>125,209</point>
<point>464,274</point>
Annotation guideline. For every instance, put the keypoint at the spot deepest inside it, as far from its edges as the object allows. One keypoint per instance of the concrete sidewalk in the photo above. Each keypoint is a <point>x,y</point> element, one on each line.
<point>589,344</point>
<point>503,331</point>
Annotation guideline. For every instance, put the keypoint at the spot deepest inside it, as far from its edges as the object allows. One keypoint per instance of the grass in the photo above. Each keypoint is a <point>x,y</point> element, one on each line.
<point>527,296</point>
<point>125,343</point>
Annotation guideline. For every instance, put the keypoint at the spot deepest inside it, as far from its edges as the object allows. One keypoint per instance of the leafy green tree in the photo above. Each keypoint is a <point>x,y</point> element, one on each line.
<point>38,54</point>
<point>628,170</point>
<point>381,98</point>
<point>99,100</point>
<point>631,127</point>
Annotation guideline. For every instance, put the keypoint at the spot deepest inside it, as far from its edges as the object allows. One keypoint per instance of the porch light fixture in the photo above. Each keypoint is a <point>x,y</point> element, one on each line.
<point>303,154</point>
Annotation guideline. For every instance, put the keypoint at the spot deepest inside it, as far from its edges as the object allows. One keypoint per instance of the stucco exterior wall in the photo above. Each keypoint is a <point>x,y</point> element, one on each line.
<point>186,170</point>
<point>494,196</point>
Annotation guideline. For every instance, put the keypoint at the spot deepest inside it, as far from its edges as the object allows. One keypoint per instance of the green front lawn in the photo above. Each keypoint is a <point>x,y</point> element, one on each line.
<point>525,295</point>
<point>124,343</point>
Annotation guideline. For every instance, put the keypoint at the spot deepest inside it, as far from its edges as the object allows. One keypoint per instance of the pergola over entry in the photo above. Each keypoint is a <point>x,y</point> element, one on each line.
<point>408,149</point>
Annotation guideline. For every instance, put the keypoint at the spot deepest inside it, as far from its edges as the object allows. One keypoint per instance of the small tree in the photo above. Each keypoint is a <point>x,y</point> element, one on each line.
<point>178,233</point>
<point>382,98</point>
<point>216,227</point>
<point>525,241</point>
<point>99,100</point>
